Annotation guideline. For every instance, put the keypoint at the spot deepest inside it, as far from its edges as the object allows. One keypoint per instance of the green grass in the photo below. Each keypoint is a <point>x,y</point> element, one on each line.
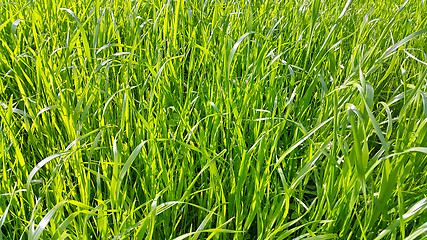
<point>213,119</point>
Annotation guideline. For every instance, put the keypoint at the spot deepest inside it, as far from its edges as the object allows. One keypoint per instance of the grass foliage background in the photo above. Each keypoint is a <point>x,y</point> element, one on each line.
<point>213,119</point>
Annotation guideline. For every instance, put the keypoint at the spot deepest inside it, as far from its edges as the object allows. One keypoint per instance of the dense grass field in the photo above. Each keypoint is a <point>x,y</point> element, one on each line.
<point>214,119</point>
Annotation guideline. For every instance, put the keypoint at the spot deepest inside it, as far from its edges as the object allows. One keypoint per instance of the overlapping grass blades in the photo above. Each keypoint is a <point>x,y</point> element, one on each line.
<point>213,119</point>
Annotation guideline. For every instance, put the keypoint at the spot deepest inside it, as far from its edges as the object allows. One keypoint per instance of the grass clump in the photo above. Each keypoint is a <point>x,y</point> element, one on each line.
<point>213,119</point>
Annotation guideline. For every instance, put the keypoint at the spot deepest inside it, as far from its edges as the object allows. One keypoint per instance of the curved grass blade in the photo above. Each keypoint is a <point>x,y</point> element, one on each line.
<point>42,163</point>
<point>303,139</point>
<point>417,209</point>
<point>127,165</point>
<point>35,235</point>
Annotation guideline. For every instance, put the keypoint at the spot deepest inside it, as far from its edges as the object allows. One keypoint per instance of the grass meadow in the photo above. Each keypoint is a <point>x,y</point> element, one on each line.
<point>213,119</point>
